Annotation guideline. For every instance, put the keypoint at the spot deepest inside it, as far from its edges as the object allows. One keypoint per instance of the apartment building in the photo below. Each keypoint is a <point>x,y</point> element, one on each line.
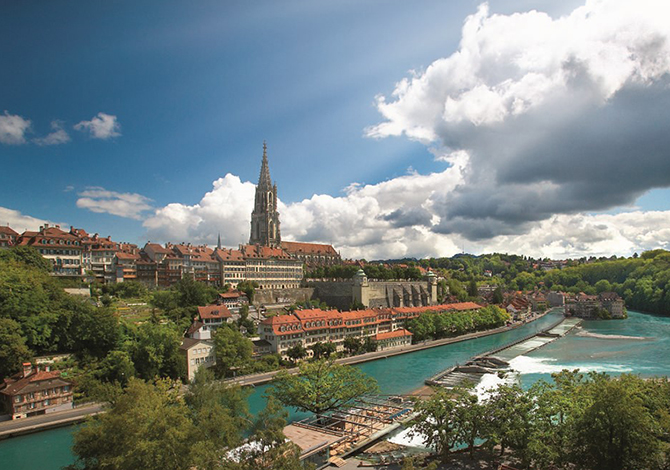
<point>310,326</point>
<point>34,391</point>
<point>63,249</point>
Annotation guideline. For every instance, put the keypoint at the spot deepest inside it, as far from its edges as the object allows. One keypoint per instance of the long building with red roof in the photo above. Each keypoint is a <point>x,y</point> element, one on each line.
<point>307,327</point>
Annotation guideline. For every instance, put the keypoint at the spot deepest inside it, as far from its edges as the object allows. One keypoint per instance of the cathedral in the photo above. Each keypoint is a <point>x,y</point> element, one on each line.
<point>265,226</point>
<point>265,218</point>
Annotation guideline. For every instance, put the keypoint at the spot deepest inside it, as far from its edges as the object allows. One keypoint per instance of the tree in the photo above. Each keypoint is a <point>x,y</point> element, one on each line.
<point>148,427</point>
<point>497,296</point>
<point>249,288</point>
<point>323,350</point>
<point>434,422</point>
<point>369,344</point>
<point>321,386</point>
<point>13,349</point>
<point>296,353</point>
<point>472,288</point>
<point>27,256</point>
<point>352,345</point>
<point>233,351</point>
<point>155,351</point>
<point>616,430</point>
<point>117,367</point>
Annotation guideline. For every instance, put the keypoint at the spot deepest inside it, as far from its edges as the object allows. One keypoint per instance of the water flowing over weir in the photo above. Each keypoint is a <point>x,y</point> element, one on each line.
<point>499,359</point>
<point>639,345</point>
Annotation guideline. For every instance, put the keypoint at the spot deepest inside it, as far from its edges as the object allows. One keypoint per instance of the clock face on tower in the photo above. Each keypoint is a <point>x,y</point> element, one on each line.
<point>265,218</point>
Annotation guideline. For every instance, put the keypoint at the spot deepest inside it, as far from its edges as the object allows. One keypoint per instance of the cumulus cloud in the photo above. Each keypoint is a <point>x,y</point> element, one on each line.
<point>547,116</point>
<point>13,129</point>
<point>57,137</point>
<point>103,126</point>
<point>368,222</point>
<point>100,200</point>
<point>226,209</point>
<point>20,222</point>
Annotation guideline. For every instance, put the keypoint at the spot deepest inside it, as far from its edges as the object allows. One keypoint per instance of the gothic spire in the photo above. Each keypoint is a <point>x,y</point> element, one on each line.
<point>264,181</point>
<point>218,244</point>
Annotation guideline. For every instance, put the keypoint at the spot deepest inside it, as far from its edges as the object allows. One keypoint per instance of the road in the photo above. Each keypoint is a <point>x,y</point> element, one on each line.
<point>52,420</point>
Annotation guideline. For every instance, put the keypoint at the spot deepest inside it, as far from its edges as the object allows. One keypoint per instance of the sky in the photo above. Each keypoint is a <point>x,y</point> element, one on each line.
<point>394,129</point>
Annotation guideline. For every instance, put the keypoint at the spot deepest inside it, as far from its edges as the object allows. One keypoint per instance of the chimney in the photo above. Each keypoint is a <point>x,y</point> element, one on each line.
<point>27,369</point>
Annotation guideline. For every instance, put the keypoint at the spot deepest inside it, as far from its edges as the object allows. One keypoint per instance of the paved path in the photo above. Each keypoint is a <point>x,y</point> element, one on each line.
<point>52,420</point>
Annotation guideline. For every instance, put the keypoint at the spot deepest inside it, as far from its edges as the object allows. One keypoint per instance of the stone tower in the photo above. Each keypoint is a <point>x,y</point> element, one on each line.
<point>265,218</point>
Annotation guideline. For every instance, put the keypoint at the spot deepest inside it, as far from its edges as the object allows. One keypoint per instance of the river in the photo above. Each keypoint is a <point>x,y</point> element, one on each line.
<point>640,345</point>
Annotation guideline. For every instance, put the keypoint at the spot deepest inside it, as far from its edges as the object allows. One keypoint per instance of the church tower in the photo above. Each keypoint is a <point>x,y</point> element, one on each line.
<point>265,218</point>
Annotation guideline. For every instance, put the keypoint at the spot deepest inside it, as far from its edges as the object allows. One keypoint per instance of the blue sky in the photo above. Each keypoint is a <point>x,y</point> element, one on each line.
<point>189,91</point>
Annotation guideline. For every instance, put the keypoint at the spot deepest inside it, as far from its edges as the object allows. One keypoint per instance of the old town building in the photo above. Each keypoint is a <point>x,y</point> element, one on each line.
<point>63,249</point>
<point>8,237</point>
<point>311,326</point>
<point>33,392</point>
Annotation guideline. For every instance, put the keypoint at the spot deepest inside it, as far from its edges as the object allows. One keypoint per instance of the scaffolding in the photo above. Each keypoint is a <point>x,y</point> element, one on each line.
<point>357,421</point>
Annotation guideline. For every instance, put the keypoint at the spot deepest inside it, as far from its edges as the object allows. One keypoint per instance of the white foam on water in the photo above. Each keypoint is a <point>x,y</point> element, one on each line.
<point>547,365</point>
<point>492,381</point>
<point>403,439</point>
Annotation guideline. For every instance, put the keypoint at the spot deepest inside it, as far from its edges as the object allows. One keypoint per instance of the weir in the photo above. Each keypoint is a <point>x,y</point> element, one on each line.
<point>497,360</point>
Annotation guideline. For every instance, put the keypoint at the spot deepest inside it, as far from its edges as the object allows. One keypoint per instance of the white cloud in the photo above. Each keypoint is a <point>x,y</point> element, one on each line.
<point>20,222</point>
<point>100,200</point>
<point>57,137</point>
<point>394,219</point>
<point>546,114</point>
<point>103,126</point>
<point>225,209</point>
<point>13,129</point>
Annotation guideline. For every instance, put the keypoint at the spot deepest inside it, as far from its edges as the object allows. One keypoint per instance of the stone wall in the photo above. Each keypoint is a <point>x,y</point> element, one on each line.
<point>378,294</point>
<point>338,294</point>
<point>283,296</point>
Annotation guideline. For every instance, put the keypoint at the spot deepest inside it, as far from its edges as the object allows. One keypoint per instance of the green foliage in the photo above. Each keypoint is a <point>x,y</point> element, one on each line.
<point>13,349</point>
<point>26,256</point>
<point>297,352</point>
<point>233,351</point>
<point>321,386</point>
<point>592,422</point>
<point>373,271</point>
<point>498,296</point>
<point>154,349</point>
<point>323,350</point>
<point>125,290</point>
<point>180,301</point>
<point>436,325</point>
<point>249,288</point>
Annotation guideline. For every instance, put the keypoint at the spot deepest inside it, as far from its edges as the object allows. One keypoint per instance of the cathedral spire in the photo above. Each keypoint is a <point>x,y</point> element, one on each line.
<point>218,243</point>
<point>264,181</point>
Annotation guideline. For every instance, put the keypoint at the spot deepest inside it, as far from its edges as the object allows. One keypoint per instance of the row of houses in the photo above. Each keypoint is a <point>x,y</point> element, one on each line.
<point>76,253</point>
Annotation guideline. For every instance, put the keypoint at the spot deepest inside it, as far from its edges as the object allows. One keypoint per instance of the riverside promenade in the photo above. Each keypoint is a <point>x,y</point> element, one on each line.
<point>19,427</point>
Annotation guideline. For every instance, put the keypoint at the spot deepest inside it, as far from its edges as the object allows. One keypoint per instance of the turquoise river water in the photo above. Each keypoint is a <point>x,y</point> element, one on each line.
<point>639,345</point>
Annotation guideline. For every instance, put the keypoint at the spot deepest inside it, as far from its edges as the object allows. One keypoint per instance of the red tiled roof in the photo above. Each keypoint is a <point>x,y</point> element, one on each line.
<point>214,311</point>
<point>233,294</point>
<point>278,321</point>
<point>392,334</point>
<point>311,248</point>
<point>156,248</point>
<point>122,255</point>
<point>18,382</point>
<point>8,231</point>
